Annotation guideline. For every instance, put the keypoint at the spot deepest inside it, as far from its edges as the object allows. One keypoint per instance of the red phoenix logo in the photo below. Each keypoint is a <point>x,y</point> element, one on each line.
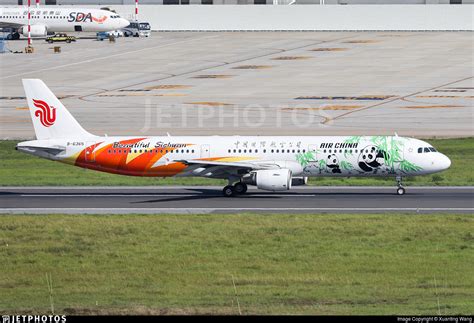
<point>46,113</point>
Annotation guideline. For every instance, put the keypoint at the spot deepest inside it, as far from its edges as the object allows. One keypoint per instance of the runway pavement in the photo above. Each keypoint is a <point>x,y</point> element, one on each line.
<point>182,200</point>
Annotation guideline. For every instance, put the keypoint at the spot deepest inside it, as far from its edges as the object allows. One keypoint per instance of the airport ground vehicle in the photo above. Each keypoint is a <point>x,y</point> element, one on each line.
<point>107,34</point>
<point>272,163</point>
<point>137,29</point>
<point>61,37</point>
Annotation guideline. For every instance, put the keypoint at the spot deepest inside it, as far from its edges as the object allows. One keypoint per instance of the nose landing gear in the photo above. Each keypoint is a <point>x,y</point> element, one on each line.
<point>400,189</point>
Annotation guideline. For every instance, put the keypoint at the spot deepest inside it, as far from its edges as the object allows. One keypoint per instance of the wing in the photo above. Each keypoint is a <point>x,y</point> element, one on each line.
<point>216,169</point>
<point>4,24</point>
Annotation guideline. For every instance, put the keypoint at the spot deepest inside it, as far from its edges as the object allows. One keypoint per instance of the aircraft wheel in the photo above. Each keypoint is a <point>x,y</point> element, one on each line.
<point>400,191</point>
<point>240,188</point>
<point>228,191</point>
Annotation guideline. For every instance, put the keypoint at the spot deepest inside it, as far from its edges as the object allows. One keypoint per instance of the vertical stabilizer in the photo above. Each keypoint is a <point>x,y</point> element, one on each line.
<point>50,118</point>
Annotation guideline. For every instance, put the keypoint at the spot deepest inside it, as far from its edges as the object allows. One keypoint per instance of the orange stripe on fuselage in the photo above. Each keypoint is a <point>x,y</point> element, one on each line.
<point>141,164</point>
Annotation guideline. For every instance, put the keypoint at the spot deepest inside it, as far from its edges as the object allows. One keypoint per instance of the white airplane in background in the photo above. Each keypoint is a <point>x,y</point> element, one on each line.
<point>57,19</point>
<point>271,163</point>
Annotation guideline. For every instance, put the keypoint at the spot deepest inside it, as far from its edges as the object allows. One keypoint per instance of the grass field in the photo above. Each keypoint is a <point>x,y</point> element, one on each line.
<point>278,264</point>
<point>18,169</point>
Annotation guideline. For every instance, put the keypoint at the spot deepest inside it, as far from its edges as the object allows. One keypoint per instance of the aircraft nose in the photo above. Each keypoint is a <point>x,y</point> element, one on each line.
<point>445,162</point>
<point>123,23</point>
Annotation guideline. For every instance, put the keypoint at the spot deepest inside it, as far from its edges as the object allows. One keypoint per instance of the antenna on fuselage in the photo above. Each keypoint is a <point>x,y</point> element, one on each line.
<point>396,134</point>
<point>168,134</point>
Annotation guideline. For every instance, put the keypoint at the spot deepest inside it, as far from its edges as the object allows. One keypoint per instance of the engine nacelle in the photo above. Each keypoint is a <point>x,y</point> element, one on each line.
<point>36,31</point>
<point>273,179</point>
<point>299,181</point>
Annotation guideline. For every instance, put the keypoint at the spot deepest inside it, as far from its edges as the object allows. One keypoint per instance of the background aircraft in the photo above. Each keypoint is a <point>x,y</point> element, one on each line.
<point>57,19</point>
<point>272,163</point>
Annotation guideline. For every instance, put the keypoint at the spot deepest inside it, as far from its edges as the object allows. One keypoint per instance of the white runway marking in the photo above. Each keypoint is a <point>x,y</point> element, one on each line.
<point>157,195</point>
<point>214,210</point>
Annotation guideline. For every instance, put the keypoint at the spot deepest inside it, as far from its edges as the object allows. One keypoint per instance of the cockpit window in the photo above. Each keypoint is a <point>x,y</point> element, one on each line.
<point>432,149</point>
<point>426,150</point>
<point>420,150</point>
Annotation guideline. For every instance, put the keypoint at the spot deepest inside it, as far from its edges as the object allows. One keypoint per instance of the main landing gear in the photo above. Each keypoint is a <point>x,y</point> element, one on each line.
<point>236,189</point>
<point>400,189</point>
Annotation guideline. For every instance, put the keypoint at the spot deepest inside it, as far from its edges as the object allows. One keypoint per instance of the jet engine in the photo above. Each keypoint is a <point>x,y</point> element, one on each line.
<point>270,179</point>
<point>36,31</point>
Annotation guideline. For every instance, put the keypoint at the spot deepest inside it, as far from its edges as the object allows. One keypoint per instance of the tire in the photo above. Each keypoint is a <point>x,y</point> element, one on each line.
<point>68,41</point>
<point>228,191</point>
<point>400,191</point>
<point>50,41</point>
<point>240,188</point>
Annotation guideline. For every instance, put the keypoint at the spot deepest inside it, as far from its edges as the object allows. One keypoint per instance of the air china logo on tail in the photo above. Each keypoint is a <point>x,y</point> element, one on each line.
<point>46,113</point>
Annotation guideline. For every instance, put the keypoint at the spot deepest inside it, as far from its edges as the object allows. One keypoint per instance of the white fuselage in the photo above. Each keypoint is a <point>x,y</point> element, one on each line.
<point>57,19</point>
<point>305,156</point>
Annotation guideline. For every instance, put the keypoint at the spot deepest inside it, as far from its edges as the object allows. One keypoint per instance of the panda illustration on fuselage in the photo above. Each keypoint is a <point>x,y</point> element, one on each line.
<point>371,158</point>
<point>333,164</point>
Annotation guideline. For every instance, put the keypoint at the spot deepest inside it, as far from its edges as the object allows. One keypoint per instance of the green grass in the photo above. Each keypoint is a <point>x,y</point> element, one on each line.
<point>281,264</point>
<point>19,169</point>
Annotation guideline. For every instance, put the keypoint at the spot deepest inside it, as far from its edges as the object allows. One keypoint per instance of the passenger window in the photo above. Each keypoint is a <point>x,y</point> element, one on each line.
<point>256,150</point>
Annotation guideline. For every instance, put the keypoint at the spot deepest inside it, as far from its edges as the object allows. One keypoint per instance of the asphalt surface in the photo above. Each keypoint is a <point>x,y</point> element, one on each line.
<point>155,200</point>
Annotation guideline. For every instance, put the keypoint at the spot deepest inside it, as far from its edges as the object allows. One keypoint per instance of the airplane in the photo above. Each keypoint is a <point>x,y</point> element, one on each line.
<point>57,19</point>
<point>272,163</point>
